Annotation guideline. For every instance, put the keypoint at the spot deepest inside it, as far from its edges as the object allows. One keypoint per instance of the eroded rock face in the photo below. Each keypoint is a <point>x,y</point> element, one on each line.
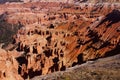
<point>58,37</point>
<point>64,45</point>
<point>9,66</point>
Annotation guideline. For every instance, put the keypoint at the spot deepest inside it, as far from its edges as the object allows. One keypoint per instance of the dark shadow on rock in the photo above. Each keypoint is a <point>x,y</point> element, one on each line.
<point>63,68</point>
<point>21,60</point>
<point>4,1</point>
<point>112,17</point>
<point>48,52</point>
<point>32,73</point>
<point>80,59</point>
<point>115,51</point>
<point>51,26</point>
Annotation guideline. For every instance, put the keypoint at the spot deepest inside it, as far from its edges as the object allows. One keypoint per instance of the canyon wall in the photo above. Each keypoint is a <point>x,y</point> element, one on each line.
<point>59,36</point>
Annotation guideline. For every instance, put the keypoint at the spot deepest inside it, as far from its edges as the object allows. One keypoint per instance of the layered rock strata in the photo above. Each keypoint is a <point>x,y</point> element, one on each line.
<point>56,37</point>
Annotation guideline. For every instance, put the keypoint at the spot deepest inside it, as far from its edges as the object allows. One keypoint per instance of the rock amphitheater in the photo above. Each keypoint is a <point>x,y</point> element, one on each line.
<point>54,36</point>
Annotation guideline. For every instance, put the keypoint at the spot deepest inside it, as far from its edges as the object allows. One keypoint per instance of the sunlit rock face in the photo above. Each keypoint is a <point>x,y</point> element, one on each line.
<point>58,36</point>
<point>9,65</point>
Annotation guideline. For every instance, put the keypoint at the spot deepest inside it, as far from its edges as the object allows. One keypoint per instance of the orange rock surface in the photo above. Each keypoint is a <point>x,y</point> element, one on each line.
<point>56,37</point>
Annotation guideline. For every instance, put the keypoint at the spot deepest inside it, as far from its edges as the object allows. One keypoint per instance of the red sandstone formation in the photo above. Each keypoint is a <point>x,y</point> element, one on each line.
<point>56,37</point>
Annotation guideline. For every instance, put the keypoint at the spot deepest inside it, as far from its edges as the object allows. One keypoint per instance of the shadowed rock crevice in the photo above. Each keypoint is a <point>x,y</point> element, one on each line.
<point>22,61</point>
<point>115,51</point>
<point>32,73</point>
<point>48,53</point>
<point>80,59</point>
<point>112,18</point>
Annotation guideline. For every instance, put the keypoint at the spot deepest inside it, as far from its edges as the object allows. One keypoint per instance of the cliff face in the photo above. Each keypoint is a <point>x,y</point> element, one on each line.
<point>59,36</point>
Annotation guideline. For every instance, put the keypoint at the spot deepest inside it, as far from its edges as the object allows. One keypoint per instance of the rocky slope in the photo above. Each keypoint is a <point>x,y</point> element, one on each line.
<point>58,36</point>
<point>101,69</point>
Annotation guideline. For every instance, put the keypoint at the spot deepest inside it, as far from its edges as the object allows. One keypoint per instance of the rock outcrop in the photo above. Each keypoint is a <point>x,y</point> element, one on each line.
<point>9,65</point>
<point>56,37</point>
